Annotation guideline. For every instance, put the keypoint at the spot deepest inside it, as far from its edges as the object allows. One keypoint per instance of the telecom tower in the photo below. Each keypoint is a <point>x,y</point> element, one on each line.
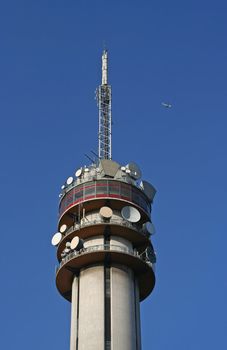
<point>106,258</point>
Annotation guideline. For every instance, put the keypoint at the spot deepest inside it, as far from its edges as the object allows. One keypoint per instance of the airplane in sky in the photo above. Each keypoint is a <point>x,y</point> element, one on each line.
<point>167,105</point>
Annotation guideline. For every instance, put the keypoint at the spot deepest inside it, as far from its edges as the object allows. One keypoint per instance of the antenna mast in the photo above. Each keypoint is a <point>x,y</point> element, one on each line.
<point>105,117</point>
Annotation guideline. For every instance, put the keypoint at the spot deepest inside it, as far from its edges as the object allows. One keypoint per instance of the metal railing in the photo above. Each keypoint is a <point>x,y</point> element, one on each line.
<point>105,247</point>
<point>114,221</point>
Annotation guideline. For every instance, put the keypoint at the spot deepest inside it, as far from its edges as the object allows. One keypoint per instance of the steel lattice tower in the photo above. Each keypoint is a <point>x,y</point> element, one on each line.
<point>105,118</point>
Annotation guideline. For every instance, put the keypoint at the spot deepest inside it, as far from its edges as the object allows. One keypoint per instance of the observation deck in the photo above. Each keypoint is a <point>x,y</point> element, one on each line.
<point>93,194</point>
<point>113,188</point>
<point>98,254</point>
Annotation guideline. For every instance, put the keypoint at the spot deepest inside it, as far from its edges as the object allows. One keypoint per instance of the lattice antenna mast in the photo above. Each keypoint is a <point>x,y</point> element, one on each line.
<point>105,117</point>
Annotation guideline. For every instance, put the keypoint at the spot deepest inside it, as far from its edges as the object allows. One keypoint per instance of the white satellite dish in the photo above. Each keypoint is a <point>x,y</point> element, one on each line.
<point>123,168</point>
<point>78,172</point>
<point>149,190</point>
<point>149,228</point>
<point>62,187</point>
<point>106,212</point>
<point>69,181</point>
<point>68,244</point>
<point>135,171</point>
<point>63,228</point>
<point>76,243</point>
<point>86,170</point>
<point>66,250</point>
<point>128,171</point>
<point>56,238</point>
<point>130,214</point>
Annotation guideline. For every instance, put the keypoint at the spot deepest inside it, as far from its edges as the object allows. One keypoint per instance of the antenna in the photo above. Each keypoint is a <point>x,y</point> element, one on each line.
<point>104,106</point>
<point>95,154</point>
<point>92,160</point>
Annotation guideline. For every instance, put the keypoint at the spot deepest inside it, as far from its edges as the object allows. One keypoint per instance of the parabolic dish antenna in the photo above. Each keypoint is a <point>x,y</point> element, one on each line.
<point>69,181</point>
<point>148,189</point>
<point>78,172</point>
<point>76,243</point>
<point>68,245</point>
<point>86,170</point>
<point>63,228</point>
<point>106,212</point>
<point>151,255</point>
<point>135,171</point>
<point>149,228</point>
<point>130,214</point>
<point>62,187</point>
<point>56,238</point>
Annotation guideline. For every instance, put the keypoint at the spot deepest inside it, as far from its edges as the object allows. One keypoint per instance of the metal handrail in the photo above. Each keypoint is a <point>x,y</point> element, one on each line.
<point>103,247</point>
<point>120,222</point>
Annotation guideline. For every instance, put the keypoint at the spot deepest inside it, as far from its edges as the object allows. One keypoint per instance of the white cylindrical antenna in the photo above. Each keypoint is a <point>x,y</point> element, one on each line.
<point>104,67</point>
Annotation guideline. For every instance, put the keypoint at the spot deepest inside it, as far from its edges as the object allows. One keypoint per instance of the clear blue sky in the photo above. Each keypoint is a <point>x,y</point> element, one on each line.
<point>172,51</point>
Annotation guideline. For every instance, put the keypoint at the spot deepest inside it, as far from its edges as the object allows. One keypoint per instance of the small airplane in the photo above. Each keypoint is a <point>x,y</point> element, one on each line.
<point>167,105</point>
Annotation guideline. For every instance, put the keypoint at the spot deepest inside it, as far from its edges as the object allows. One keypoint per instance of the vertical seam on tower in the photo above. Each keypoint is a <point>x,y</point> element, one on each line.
<point>107,306</point>
<point>78,300</point>
<point>107,297</point>
<point>135,311</point>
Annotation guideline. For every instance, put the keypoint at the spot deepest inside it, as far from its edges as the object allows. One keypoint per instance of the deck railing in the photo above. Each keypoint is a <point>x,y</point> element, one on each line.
<point>105,247</point>
<point>97,221</point>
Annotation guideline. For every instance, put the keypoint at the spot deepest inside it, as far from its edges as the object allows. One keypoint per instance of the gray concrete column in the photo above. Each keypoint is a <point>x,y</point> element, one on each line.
<point>121,242</point>
<point>74,314</point>
<point>137,312</point>
<point>123,320</point>
<point>91,311</point>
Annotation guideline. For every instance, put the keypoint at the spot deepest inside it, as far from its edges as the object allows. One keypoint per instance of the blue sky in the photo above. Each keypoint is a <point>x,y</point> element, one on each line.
<point>49,69</point>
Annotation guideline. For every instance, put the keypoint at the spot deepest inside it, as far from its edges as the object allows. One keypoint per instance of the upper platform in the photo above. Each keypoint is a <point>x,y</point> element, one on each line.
<point>106,180</point>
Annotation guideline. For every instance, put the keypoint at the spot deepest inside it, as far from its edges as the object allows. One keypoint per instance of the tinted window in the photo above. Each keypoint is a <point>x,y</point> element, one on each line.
<point>89,190</point>
<point>114,188</point>
<point>78,193</point>
<point>101,187</point>
<point>125,191</point>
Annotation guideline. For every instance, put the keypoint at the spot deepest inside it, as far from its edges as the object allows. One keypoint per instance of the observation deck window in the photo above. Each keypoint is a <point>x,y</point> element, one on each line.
<point>78,193</point>
<point>69,198</point>
<point>114,188</point>
<point>89,190</point>
<point>104,188</point>
<point>125,191</point>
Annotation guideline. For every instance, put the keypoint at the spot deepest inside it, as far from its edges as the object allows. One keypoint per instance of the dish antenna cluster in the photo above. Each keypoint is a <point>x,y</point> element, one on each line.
<point>56,239</point>
<point>148,189</point>
<point>78,173</point>
<point>130,214</point>
<point>134,170</point>
<point>106,213</point>
<point>76,243</point>
<point>148,228</point>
